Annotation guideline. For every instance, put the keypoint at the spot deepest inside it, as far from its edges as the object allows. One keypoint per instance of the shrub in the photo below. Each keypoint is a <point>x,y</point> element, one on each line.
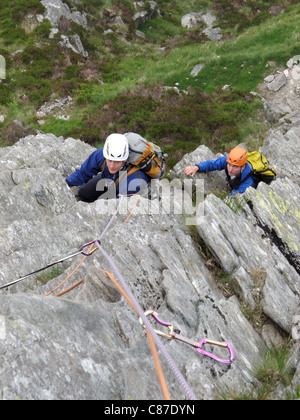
<point>43,30</point>
<point>5,93</point>
<point>178,122</point>
<point>21,8</point>
<point>13,35</point>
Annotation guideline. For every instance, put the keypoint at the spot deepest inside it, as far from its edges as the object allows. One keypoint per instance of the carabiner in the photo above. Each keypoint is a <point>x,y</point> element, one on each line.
<point>213,356</point>
<point>87,254</point>
<point>164,324</point>
<point>175,335</point>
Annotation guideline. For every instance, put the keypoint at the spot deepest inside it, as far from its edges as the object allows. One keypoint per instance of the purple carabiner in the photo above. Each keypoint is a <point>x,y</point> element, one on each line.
<point>213,356</point>
<point>87,254</point>
<point>159,321</point>
<point>176,335</point>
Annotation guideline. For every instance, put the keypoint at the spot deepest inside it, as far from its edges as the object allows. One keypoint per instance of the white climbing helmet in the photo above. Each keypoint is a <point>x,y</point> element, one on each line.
<point>116,148</point>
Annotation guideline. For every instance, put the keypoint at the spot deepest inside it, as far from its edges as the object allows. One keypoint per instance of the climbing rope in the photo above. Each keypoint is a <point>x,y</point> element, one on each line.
<point>69,289</point>
<point>159,370</point>
<point>81,251</point>
<point>188,391</point>
<point>91,251</point>
<point>154,340</point>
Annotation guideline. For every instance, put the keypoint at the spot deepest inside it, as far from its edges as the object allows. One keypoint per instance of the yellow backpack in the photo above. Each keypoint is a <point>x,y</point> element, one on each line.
<point>261,170</point>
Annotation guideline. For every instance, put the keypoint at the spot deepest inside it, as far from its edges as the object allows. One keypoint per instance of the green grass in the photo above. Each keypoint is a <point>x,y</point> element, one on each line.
<point>272,374</point>
<point>240,63</point>
<point>130,68</point>
<point>50,274</point>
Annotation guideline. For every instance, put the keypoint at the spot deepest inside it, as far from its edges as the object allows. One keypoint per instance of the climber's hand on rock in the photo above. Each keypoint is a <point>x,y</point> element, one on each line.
<point>191,171</point>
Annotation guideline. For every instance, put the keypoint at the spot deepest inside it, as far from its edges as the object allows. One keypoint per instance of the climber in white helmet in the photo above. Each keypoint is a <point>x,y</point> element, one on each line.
<point>106,173</point>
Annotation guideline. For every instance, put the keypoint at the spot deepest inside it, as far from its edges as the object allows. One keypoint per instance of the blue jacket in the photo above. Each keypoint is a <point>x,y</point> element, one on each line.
<point>221,165</point>
<point>92,166</point>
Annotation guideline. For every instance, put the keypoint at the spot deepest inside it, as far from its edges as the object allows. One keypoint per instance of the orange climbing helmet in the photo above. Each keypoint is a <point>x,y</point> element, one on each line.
<point>238,156</point>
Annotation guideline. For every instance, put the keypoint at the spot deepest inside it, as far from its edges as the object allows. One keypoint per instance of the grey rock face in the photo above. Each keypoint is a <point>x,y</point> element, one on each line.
<point>236,244</point>
<point>91,337</point>
<point>281,91</point>
<point>88,344</point>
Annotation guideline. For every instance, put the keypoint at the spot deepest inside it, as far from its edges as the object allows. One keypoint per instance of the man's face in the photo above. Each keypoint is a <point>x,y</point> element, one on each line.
<point>114,167</point>
<point>234,170</point>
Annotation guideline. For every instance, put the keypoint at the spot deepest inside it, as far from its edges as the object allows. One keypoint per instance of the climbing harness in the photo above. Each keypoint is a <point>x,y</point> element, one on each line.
<point>198,345</point>
<point>81,251</point>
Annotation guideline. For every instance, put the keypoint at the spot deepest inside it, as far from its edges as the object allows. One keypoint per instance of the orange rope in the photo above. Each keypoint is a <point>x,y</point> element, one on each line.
<point>70,288</point>
<point>159,370</point>
<point>90,249</point>
<point>73,272</point>
<point>131,213</point>
<point>158,366</point>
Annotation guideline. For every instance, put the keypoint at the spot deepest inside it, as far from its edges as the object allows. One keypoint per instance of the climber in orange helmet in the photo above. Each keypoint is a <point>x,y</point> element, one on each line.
<point>237,169</point>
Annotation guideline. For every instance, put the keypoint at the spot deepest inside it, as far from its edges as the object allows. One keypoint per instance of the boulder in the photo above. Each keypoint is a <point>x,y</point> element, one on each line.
<point>144,12</point>
<point>280,91</point>
<point>212,181</point>
<point>214,34</point>
<point>196,70</point>
<point>56,9</point>
<point>277,83</point>
<point>192,20</point>
<point>52,108</point>
<point>74,43</point>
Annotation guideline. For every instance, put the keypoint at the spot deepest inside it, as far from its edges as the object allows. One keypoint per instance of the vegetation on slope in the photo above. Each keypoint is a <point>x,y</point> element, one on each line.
<point>120,86</point>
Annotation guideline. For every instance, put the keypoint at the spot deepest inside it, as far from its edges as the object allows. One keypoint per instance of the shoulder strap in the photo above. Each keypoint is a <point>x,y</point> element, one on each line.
<point>130,169</point>
<point>102,167</point>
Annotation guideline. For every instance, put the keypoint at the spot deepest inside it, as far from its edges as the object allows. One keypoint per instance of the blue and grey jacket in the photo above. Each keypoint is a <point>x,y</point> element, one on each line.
<point>93,166</point>
<point>220,164</point>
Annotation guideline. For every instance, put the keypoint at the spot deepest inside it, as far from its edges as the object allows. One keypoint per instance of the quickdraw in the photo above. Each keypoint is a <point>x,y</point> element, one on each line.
<point>81,251</point>
<point>174,334</point>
